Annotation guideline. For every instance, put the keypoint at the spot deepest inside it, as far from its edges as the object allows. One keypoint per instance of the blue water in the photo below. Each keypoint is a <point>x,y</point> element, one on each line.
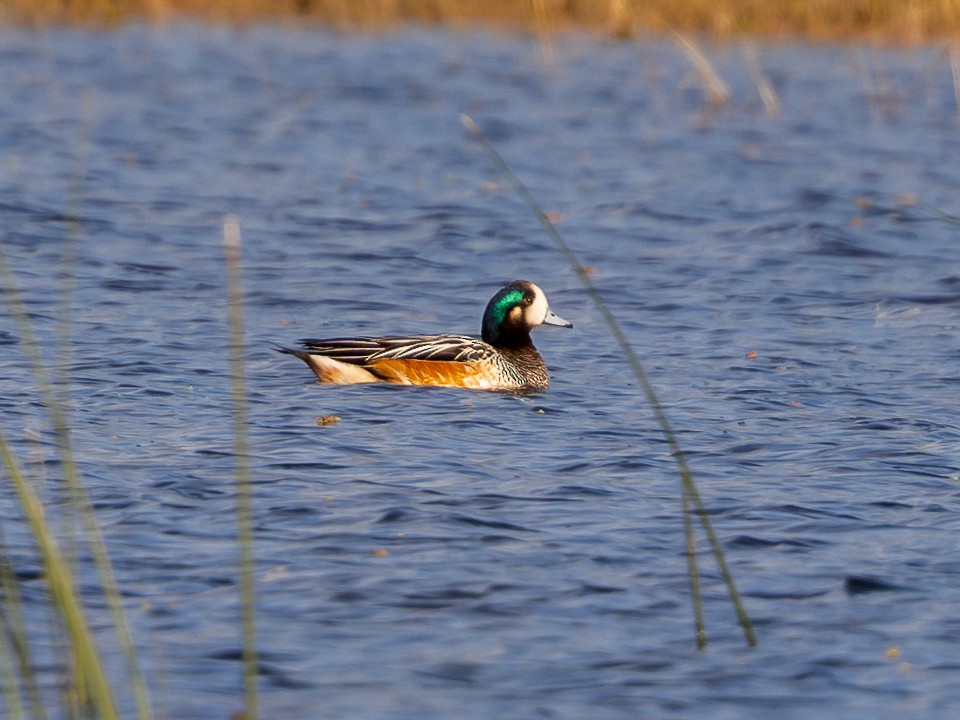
<point>442,553</point>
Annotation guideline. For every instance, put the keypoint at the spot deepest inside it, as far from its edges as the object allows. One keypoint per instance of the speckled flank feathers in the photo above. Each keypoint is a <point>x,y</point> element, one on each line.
<point>504,359</point>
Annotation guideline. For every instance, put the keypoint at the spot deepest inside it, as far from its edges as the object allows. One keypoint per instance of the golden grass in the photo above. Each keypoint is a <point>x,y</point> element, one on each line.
<point>888,20</point>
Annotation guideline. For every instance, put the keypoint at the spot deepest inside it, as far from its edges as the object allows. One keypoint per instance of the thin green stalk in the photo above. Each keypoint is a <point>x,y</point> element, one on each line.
<point>8,680</point>
<point>14,628</point>
<point>71,475</point>
<point>694,571</point>
<point>689,490</point>
<point>61,399</point>
<point>92,681</point>
<point>231,242</point>
<point>31,346</point>
<point>946,217</point>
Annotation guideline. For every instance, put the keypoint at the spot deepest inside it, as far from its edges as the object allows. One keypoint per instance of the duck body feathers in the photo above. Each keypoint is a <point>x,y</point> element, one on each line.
<point>444,360</point>
<point>509,362</point>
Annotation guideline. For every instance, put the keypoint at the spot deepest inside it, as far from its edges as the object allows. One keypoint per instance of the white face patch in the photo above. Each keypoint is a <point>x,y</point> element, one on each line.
<point>537,311</point>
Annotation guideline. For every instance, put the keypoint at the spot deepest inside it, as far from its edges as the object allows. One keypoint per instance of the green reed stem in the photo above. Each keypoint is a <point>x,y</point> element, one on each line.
<point>231,242</point>
<point>10,632</point>
<point>88,670</point>
<point>65,352</point>
<point>14,628</point>
<point>55,404</point>
<point>946,217</point>
<point>693,569</point>
<point>61,403</point>
<point>8,680</point>
<point>689,490</point>
<point>91,680</point>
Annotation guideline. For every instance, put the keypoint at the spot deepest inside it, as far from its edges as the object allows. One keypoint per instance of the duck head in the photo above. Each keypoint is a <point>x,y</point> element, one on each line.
<point>514,311</point>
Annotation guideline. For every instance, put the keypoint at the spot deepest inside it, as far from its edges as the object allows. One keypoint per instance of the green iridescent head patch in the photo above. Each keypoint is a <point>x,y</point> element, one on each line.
<point>498,309</point>
<point>501,307</point>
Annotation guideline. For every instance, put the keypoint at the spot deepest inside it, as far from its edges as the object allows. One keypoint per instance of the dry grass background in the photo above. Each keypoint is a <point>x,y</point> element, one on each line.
<point>895,21</point>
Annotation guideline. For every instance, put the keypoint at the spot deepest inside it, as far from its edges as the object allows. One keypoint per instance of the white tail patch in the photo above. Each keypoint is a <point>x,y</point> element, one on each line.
<point>339,373</point>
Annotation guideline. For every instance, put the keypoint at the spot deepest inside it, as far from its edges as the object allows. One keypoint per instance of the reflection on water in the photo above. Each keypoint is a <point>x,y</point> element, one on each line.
<point>440,553</point>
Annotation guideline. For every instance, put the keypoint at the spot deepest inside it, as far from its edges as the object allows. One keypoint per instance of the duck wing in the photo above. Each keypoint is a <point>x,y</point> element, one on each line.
<point>370,350</point>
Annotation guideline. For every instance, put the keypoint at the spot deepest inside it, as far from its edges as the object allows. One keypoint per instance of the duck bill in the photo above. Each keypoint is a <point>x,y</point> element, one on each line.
<point>553,319</point>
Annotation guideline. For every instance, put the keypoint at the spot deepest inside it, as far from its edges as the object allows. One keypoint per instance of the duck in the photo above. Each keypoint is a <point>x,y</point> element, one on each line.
<point>503,358</point>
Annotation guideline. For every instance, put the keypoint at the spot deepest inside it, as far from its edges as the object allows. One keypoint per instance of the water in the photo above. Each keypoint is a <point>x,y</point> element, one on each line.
<point>444,553</point>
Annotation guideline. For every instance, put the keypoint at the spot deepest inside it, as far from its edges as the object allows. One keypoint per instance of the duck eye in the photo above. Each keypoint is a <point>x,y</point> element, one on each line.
<point>527,299</point>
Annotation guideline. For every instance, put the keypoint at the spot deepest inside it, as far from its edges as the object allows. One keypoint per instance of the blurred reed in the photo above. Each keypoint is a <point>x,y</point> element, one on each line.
<point>233,266</point>
<point>89,692</point>
<point>692,505</point>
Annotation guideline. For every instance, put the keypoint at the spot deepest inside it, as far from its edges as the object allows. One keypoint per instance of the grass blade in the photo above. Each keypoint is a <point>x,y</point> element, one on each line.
<point>693,570</point>
<point>92,682</point>
<point>689,490</point>
<point>8,681</point>
<point>55,397</point>
<point>12,628</point>
<point>715,90</point>
<point>768,95</point>
<point>231,243</point>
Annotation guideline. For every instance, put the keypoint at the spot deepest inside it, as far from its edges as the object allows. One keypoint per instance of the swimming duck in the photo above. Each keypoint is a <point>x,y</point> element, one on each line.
<point>504,359</point>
